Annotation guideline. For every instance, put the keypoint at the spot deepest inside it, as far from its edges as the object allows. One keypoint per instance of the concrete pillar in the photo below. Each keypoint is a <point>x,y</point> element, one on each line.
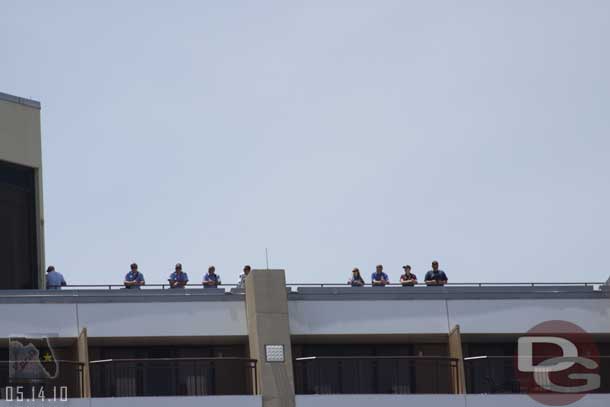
<point>82,348</point>
<point>268,329</point>
<point>455,351</point>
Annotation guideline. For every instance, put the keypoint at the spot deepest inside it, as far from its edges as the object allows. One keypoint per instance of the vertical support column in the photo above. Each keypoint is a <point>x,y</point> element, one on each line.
<point>82,348</point>
<point>455,352</point>
<point>268,330</point>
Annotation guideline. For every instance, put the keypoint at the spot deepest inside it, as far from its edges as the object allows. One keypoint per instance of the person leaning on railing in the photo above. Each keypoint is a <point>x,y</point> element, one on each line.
<point>178,279</point>
<point>242,277</point>
<point>356,280</point>
<point>55,280</point>
<point>435,276</point>
<point>379,278</point>
<point>408,279</point>
<point>134,279</point>
<point>211,279</point>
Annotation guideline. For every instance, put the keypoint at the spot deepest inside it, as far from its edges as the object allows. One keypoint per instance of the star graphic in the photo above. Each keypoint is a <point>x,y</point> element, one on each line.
<point>47,357</point>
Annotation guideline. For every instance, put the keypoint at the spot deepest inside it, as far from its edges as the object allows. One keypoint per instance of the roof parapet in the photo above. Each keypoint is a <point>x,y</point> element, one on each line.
<point>19,100</point>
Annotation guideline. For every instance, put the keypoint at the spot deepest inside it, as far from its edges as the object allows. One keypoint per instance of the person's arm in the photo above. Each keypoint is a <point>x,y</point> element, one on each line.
<point>63,281</point>
<point>410,281</point>
<point>140,280</point>
<point>128,283</point>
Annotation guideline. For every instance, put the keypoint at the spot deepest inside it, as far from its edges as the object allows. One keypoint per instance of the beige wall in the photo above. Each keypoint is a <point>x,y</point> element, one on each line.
<point>20,143</point>
<point>20,134</point>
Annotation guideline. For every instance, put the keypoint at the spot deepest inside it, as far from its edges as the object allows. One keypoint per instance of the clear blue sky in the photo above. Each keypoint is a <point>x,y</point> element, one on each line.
<point>335,133</point>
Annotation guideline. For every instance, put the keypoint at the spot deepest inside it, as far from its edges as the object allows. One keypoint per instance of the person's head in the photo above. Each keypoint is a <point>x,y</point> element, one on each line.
<point>211,270</point>
<point>247,269</point>
<point>407,269</point>
<point>435,265</point>
<point>379,269</point>
<point>355,272</point>
<point>133,267</point>
<point>178,268</point>
<point>50,268</point>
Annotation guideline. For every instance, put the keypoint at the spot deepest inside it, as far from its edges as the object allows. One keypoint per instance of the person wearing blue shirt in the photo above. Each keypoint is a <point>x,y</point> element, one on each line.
<point>134,279</point>
<point>435,276</point>
<point>178,279</point>
<point>54,279</point>
<point>211,279</point>
<point>379,278</point>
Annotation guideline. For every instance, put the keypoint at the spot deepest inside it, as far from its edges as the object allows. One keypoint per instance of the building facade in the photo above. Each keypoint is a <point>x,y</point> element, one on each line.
<point>21,209</point>
<point>328,346</point>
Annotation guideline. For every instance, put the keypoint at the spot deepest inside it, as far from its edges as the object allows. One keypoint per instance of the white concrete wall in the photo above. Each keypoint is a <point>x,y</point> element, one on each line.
<point>383,400</point>
<point>366,317</point>
<point>207,401</point>
<point>209,318</point>
<point>516,316</point>
<point>227,318</point>
<point>206,318</point>
<point>431,316</point>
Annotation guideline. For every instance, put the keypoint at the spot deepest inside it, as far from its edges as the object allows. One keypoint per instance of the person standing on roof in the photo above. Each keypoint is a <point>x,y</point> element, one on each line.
<point>134,279</point>
<point>408,279</point>
<point>211,279</point>
<point>54,279</point>
<point>242,277</point>
<point>178,279</point>
<point>379,278</point>
<point>435,276</point>
<point>356,280</point>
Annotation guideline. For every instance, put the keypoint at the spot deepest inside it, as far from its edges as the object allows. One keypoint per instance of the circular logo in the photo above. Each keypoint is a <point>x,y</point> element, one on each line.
<point>557,363</point>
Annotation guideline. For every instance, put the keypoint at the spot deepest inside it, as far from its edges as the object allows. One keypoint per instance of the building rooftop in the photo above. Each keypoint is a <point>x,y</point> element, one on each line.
<point>19,100</point>
<point>319,292</point>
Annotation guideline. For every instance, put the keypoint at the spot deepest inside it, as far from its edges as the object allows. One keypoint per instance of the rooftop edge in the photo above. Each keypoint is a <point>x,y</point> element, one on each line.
<point>19,100</point>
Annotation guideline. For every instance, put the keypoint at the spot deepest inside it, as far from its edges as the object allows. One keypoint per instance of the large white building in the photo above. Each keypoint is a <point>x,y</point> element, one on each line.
<point>270,345</point>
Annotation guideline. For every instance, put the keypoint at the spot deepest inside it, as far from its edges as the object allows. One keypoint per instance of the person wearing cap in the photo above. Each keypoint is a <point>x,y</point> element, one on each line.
<point>435,276</point>
<point>408,279</point>
<point>54,279</point>
<point>211,279</point>
<point>379,278</point>
<point>242,277</point>
<point>356,280</point>
<point>134,279</point>
<point>178,279</point>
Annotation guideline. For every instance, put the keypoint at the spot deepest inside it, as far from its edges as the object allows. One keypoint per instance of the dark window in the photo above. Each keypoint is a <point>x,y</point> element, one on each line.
<point>169,371</point>
<point>18,240</point>
<point>371,369</point>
